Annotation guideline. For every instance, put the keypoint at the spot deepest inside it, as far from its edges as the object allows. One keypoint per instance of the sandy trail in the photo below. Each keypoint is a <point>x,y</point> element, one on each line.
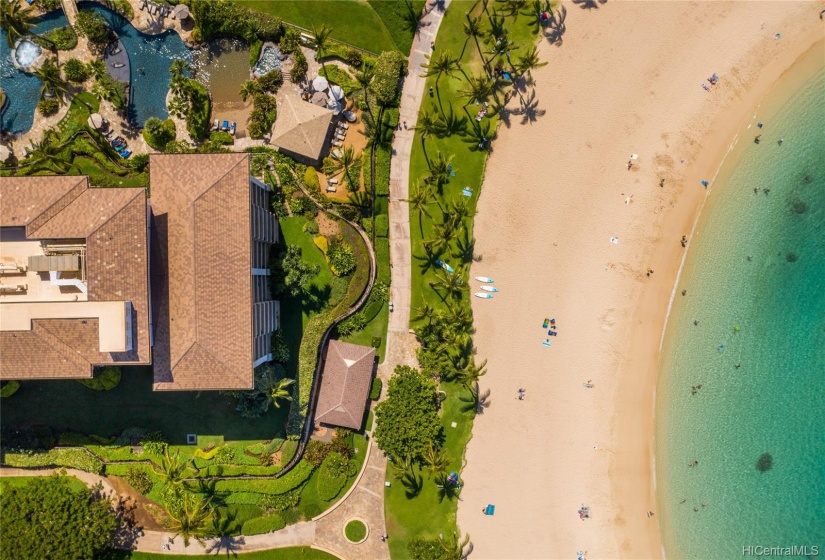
<point>627,79</point>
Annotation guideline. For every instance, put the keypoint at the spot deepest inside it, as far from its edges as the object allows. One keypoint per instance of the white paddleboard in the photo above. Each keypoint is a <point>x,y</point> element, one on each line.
<point>483,295</point>
<point>484,279</point>
<point>489,288</point>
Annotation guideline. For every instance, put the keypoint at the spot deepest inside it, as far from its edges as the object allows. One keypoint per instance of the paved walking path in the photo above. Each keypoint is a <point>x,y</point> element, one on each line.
<point>399,210</point>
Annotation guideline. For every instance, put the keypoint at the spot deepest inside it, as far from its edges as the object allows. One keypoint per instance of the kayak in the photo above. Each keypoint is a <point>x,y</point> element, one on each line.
<point>489,288</point>
<point>484,279</point>
<point>444,265</point>
<point>483,295</point>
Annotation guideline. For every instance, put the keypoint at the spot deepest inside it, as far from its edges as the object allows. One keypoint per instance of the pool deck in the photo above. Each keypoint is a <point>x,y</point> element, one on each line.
<point>114,62</point>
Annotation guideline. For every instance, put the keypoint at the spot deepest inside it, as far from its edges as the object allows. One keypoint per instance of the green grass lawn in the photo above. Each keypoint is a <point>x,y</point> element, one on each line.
<point>66,405</point>
<point>351,21</point>
<point>290,553</point>
<point>18,481</point>
<point>392,13</point>
<point>424,516</point>
<point>375,328</point>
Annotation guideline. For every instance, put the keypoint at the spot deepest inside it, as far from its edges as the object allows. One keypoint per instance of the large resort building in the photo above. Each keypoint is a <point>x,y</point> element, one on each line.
<point>102,276</point>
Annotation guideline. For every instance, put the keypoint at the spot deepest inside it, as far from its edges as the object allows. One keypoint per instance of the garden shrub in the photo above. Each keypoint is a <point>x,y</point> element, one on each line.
<point>288,183</point>
<point>354,58</point>
<point>255,51</point>
<point>311,181</point>
<point>215,18</point>
<point>291,480</point>
<point>158,133</point>
<point>280,502</point>
<point>92,26</point>
<point>263,115</point>
<point>64,38</point>
<point>224,455</point>
<point>289,40</point>
<point>315,452</point>
<point>366,225</point>
<point>8,388</point>
<point>265,524</point>
<point>197,119</point>
<point>280,349</point>
<point>382,225</point>
<point>387,74</point>
<point>105,379</point>
<point>125,437</point>
<point>300,205</point>
<point>311,227</point>
<point>154,447</point>
<point>341,258</point>
<point>288,450</point>
<point>221,137</point>
<point>299,67</point>
<point>375,390</point>
<point>352,324</point>
<point>426,549</point>
<point>322,243</point>
<point>332,476</point>
<point>48,106</point>
<point>271,81</point>
<point>337,75</point>
<point>380,292</point>
<point>48,5</point>
<point>355,531</point>
<point>75,70</point>
<point>60,457</point>
<point>342,443</point>
<point>139,480</point>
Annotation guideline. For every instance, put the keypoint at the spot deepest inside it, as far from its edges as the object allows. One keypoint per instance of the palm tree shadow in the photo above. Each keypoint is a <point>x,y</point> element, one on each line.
<point>465,246</point>
<point>426,262</point>
<point>589,4</point>
<point>439,5</point>
<point>529,110</point>
<point>556,28</point>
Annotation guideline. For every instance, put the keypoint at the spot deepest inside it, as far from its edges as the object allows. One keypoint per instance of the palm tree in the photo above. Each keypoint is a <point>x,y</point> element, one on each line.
<point>425,312</point>
<point>445,233</point>
<point>179,68</point>
<point>472,372</point>
<point>172,469</point>
<point>420,197</point>
<point>426,125</point>
<point>405,471</point>
<point>497,30</point>
<point>344,160</point>
<point>47,152</point>
<point>448,124</point>
<point>478,89</point>
<point>446,489</point>
<point>472,30</point>
<point>529,61</point>
<point>435,459</point>
<point>191,518</point>
<point>96,67</point>
<point>439,65</point>
<point>480,136</point>
<point>476,401</point>
<point>320,37</point>
<point>537,8</point>
<point>53,82</point>
<point>410,18</point>
<point>513,7</point>
<point>281,391</point>
<point>364,78</point>
<point>250,88</point>
<point>453,284</point>
<point>440,169</point>
<point>454,546</point>
<point>16,20</point>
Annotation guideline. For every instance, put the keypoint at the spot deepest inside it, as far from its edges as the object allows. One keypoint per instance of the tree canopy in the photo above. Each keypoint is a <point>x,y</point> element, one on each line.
<point>407,421</point>
<point>46,519</point>
<point>387,73</point>
<point>291,273</point>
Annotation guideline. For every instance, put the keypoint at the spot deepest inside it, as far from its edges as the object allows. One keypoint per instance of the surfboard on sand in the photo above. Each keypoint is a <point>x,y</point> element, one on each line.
<point>484,279</point>
<point>489,288</point>
<point>483,295</point>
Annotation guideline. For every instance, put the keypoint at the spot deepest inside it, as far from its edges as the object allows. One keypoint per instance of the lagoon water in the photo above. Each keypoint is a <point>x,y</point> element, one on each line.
<point>755,281</point>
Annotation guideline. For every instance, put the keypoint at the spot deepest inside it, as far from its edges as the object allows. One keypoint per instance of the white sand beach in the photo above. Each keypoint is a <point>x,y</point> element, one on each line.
<point>626,80</point>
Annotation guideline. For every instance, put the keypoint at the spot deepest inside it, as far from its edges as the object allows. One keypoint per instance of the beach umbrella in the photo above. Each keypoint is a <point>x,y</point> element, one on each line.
<point>5,153</point>
<point>180,12</point>
<point>95,121</point>
<point>336,92</point>
<point>320,98</point>
<point>335,106</point>
<point>320,84</point>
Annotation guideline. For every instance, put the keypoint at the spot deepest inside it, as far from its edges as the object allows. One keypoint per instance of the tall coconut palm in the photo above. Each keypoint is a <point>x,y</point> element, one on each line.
<point>445,233</point>
<point>512,8</point>
<point>420,197</point>
<point>281,391</point>
<point>345,159</point>
<point>478,89</point>
<point>47,152</point>
<point>453,284</point>
<point>535,12</point>
<point>191,518</point>
<point>96,68</point>
<point>53,82</point>
<point>449,124</point>
<point>480,136</point>
<point>405,470</point>
<point>410,18</point>
<point>172,469</point>
<point>497,29</point>
<point>443,64</point>
<point>320,38</point>
<point>446,489</point>
<point>426,125</point>
<point>16,20</point>
<point>426,312</point>
<point>250,88</point>
<point>472,30</point>
<point>454,547</point>
<point>364,79</point>
<point>472,372</point>
<point>435,459</point>
<point>440,169</point>
<point>529,61</point>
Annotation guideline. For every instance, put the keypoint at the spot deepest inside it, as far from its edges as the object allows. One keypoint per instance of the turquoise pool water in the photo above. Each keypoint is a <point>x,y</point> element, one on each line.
<point>755,281</point>
<point>23,89</point>
<point>149,55</point>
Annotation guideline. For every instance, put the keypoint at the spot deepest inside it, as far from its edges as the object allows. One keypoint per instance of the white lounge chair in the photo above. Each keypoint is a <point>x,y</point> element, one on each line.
<point>336,143</point>
<point>332,181</point>
<point>330,188</point>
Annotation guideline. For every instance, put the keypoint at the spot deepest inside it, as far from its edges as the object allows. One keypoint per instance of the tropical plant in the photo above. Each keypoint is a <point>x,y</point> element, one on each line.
<point>263,115</point>
<point>96,68</point>
<point>472,30</point>
<point>535,11</point>
<point>48,152</point>
<point>92,26</point>
<point>440,169</point>
<point>476,401</point>
<point>512,7</point>
<point>420,197</point>
<point>472,372</point>
<point>110,89</point>
<point>435,459</point>
<point>291,274</point>
<point>480,136</point>
<point>299,67</point>
<point>158,133</point>
<point>445,233</point>
<point>172,469</point>
<point>364,79</point>
<point>407,473</point>
<point>139,480</point>
<point>271,81</point>
<point>48,107</point>
<point>425,312</point>
<point>53,82</point>
<point>449,124</point>
<point>388,70</point>
<point>281,391</point>
<point>75,70</point>
<point>446,488</point>
<point>191,518</point>
<point>341,258</point>
<point>443,64</point>
<point>478,89</point>
<point>454,547</point>
<point>453,284</point>
<point>16,20</point>
<point>319,40</point>
<point>529,61</point>
<point>250,88</point>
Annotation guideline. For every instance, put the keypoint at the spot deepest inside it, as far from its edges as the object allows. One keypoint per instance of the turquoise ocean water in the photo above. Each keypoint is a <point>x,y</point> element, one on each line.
<point>765,313</point>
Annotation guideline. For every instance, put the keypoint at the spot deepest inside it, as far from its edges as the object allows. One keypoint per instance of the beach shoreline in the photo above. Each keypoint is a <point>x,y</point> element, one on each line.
<point>596,446</point>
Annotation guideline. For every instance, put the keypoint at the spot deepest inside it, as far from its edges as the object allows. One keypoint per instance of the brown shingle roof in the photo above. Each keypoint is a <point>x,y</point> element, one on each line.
<point>201,271</point>
<point>345,384</point>
<point>113,222</point>
<point>301,127</point>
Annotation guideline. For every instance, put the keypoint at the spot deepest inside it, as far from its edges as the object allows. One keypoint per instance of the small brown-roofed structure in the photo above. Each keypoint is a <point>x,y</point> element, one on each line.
<point>302,128</point>
<point>345,384</point>
<point>212,312</point>
<point>74,287</point>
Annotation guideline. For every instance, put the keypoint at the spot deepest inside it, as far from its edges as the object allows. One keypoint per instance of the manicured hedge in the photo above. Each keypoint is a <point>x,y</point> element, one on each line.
<point>58,457</point>
<point>197,122</point>
<point>107,378</point>
<point>265,524</point>
<point>9,388</point>
<point>382,225</point>
<point>292,479</point>
<point>238,470</point>
<point>375,390</point>
<point>382,255</point>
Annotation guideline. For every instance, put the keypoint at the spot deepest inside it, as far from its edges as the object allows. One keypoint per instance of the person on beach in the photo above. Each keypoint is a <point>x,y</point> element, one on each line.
<point>649,272</point>
<point>756,140</point>
<point>780,141</point>
<point>684,241</point>
<point>684,292</point>
<point>696,322</point>
<point>662,183</point>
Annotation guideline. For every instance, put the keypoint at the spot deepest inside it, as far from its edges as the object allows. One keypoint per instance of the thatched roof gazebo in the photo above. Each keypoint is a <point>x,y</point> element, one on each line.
<point>96,121</point>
